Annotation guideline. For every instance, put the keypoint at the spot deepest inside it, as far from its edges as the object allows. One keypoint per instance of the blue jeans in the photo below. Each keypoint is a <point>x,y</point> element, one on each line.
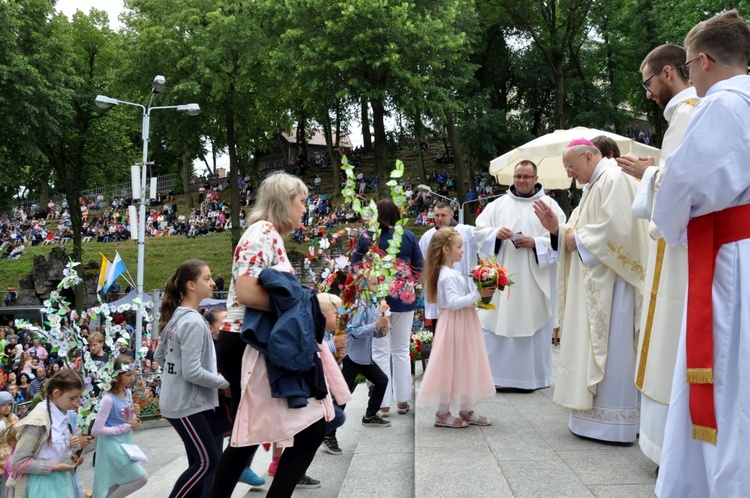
<point>338,421</point>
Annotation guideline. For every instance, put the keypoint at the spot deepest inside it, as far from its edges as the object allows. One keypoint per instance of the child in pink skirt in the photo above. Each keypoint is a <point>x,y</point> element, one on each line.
<point>459,371</point>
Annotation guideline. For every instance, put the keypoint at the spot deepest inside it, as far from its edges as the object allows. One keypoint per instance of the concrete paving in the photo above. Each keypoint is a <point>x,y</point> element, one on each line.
<point>528,451</point>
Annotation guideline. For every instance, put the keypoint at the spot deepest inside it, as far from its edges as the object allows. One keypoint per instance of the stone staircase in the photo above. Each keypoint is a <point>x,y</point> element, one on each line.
<point>375,461</point>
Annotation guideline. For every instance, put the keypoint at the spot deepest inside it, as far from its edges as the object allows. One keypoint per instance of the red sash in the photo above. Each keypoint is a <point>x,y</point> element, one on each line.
<point>706,235</point>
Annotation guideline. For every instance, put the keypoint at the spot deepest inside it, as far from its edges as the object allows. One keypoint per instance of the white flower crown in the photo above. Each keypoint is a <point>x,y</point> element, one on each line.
<point>126,367</point>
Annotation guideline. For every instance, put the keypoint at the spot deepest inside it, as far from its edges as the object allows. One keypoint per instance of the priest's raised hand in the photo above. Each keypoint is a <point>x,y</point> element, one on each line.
<point>546,216</point>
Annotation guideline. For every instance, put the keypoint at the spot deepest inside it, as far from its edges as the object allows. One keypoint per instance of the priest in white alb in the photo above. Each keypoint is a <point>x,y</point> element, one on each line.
<point>666,274</point>
<point>518,332</point>
<point>704,202</point>
<point>602,257</point>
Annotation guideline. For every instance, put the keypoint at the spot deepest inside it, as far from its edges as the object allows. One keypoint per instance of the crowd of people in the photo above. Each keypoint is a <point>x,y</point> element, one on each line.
<point>279,364</point>
<point>601,275</point>
<point>39,388</point>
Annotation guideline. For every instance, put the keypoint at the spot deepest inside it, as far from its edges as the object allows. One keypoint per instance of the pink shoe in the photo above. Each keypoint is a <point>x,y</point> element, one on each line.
<point>272,468</point>
<point>448,420</point>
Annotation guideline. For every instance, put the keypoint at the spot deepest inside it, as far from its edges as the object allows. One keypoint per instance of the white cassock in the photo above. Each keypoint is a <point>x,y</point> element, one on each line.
<point>709,173</point>
<point>518,332</point>
<point>464,267</point>
<point>664,292</point>
<point>600,294</point>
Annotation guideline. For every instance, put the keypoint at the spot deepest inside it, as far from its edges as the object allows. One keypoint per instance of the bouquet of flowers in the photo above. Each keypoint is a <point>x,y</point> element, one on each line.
<point>488,273</point>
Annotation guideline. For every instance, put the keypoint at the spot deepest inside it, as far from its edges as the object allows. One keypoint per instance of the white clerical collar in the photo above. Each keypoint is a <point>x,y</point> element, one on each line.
<point>603,164</point>
<point>688,93</point>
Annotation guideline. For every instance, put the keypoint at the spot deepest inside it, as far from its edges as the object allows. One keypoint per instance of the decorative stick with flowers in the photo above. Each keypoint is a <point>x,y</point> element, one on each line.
<point>69,340</point>
<point>384,265</point>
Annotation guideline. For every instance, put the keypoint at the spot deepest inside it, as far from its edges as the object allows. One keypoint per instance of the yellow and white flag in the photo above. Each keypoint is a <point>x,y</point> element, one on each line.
<point>103,273</point>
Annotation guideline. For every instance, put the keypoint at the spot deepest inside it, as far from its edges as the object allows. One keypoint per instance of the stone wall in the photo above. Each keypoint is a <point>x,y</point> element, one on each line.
<point>46,275</point>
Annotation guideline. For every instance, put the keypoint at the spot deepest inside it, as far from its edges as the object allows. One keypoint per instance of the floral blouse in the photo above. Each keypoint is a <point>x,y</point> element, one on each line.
<point>260,247</point>
<point>408,266</point>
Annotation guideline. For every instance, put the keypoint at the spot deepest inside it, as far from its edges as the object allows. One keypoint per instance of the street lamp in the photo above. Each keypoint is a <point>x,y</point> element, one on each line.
<point>426,188</point>
<point>191,110</point>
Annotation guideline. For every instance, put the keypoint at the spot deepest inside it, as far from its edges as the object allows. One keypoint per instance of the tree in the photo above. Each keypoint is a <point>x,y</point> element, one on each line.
<point>217,52</point>
<point>553,26</point>
<point>57,69</point>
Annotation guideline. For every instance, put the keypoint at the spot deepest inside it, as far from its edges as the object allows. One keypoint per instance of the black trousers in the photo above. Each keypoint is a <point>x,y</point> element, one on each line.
<point>374,374</point>
<point>294,461</point>
<point>229,351</point>
<point>202,454</point>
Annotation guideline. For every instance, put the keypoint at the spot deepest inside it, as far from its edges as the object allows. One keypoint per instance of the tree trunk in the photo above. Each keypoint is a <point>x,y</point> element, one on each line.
<point>458,160</point>
<point>233,175</point>
<point>302,135</point>
<point>43,196</point>
<point>381,147</point>
<point>559,94</point>
<point>334,162</point>
<point>338,127</point>
<point>185,176</point>
<point>419,128</point>
<point>365,117</point>
<point>69,177</point>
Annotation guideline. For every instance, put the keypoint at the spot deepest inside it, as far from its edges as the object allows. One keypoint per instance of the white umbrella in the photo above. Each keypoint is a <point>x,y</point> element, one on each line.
<point>546,153</point>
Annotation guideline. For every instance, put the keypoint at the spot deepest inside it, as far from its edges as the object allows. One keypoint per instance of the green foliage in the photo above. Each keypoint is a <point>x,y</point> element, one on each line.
<point>506,70</point>
<point>177,187</point>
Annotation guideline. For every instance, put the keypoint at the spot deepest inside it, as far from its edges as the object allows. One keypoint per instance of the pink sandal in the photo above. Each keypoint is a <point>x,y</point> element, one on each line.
<point>480,420</point>
<point>444,421</point>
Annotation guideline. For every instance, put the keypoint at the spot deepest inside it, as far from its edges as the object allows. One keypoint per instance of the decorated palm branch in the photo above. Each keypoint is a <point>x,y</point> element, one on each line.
<point>70,341</point>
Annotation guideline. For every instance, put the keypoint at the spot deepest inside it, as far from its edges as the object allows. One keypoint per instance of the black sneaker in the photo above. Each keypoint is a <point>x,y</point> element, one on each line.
<point>331,445</point>
<point>308,482</point>
<point>375,421</point>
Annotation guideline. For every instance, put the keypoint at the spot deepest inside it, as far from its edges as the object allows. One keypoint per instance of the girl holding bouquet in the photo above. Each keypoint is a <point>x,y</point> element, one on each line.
<point>459,370</point>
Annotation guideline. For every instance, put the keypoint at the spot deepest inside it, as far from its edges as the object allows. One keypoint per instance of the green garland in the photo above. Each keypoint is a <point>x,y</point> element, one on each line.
<point>382,266</point>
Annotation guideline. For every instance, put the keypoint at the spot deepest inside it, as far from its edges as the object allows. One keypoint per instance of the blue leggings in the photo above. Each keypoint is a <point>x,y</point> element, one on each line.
<point>202,454</point>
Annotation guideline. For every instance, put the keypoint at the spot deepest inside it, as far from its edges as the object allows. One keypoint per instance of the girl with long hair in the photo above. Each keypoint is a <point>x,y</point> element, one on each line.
<point>459,371</point>
<point>45,461</point>
<point>190,381</point>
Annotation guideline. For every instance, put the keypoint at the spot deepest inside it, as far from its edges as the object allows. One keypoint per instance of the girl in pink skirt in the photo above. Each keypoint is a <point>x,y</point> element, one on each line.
<point>459,371</point>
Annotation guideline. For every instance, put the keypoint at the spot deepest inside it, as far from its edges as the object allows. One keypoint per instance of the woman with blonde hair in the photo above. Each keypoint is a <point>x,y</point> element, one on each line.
<point>278,210</point>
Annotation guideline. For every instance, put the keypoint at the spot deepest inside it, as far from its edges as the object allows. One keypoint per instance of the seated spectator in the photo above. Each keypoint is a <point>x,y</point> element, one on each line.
<point>38,382</point>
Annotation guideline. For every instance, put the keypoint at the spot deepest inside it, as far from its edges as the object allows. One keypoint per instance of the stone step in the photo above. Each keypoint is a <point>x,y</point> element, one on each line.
<point>383,460</point>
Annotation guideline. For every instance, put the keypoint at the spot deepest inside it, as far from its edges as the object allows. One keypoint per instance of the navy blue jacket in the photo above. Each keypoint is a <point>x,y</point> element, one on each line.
<point>288,336</point>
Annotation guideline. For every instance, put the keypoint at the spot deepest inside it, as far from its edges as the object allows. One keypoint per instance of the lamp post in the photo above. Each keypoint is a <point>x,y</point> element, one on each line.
<point>191,110</point>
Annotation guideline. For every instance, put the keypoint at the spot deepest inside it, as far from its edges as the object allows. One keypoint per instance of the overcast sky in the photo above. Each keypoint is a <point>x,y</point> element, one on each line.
<point>113,8</point>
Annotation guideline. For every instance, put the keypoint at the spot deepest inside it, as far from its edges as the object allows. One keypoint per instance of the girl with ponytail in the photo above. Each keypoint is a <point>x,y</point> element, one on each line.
<point>190,381</point>
<point>45,461</point>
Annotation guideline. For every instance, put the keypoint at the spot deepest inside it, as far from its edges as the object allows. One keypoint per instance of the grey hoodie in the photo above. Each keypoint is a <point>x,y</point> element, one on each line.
<point>186,352</point>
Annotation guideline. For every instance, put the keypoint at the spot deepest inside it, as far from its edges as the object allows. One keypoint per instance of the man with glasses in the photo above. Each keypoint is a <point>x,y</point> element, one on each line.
<point>704,202</point>
<point>518,332</point>
<point>603,251</point>
<point>666,274</point>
